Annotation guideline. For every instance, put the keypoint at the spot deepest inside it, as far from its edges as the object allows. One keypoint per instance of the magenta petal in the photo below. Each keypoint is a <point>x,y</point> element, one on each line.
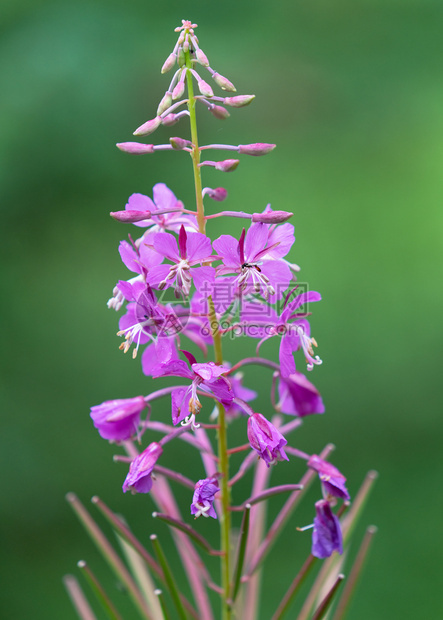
<point>164,198</point>
<point>226,247</point>
<point>156,275</point>
<point>286,358</point>
<point>279,275</point>
<point>209,370</point>
<point>148,256</point>
<point>173,368</point>
<point>298,396</point>
<point>255,241</point>
<point>158,353</point>
<point>203,278</point>
<point>129,257</point>
<point>284,235</point>
<point>166,245</point>
<point>198,247</point>
<point>180,404</point>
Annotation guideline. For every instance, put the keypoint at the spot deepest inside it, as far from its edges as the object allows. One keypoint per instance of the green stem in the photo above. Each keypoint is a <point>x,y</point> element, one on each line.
<point>195,150</point>
<point>225,517</point>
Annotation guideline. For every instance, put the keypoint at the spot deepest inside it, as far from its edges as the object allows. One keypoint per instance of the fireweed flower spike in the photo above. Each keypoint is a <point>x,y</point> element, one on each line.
<point>185,291</point>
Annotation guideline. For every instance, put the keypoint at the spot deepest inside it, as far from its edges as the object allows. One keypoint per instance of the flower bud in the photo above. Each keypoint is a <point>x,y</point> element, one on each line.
<point>259,148</point>
<point>170,119</point>
<point>139,478</point>
<point>135,148</point>
<point>227,165</point>
<point>201,58</point>
<point>218,193</point>
<point>223,82</point>
<point>181,59</point>
<point>130,216</point>
<point>169,63</point>
<point>178,90</point>
<point>272,217</point>
<point>165,103</point>
<point>205,89</point>
<point>179,143</point>
<point>148,127</point>
<point>219,112</point>
<point>239,101</point>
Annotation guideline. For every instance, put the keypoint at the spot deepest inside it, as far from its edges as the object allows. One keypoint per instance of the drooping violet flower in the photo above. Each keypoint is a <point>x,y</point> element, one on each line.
<point>204,376</point>
<point>203,499</point>
<point>164,199</point>
<point>293,330</point>
<point>192,249</point>
<point>266,440</point>
<point>298,396</point>
<point>333,481</point>
<point>139,478</point>
<point>326,536</point>
<point>117,420</point>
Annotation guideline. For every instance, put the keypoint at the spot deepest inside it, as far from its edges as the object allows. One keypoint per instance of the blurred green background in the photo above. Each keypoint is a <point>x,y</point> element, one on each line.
<point>352,94</point>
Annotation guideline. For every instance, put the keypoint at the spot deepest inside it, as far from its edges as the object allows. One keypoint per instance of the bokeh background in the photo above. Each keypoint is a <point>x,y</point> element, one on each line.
<point>352,94</point>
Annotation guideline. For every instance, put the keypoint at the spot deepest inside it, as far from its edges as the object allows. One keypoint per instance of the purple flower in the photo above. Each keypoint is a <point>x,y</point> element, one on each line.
<point>290,325</point>
<point>266,440</point>
<point>332,480</point>
<point>143,316</point>
<point>251,257</point>
<point>164,198</point>
<point>139,478</point>
<point>191,249</point>
<point>326,536</point>
<point>117,420</point>
<point>204,376</point>
<point>138,259</point>
<point>203,499</point>
<point>298,396</point>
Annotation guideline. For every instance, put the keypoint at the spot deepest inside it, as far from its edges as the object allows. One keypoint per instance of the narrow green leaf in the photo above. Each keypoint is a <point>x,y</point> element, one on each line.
<point>169,578</point>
